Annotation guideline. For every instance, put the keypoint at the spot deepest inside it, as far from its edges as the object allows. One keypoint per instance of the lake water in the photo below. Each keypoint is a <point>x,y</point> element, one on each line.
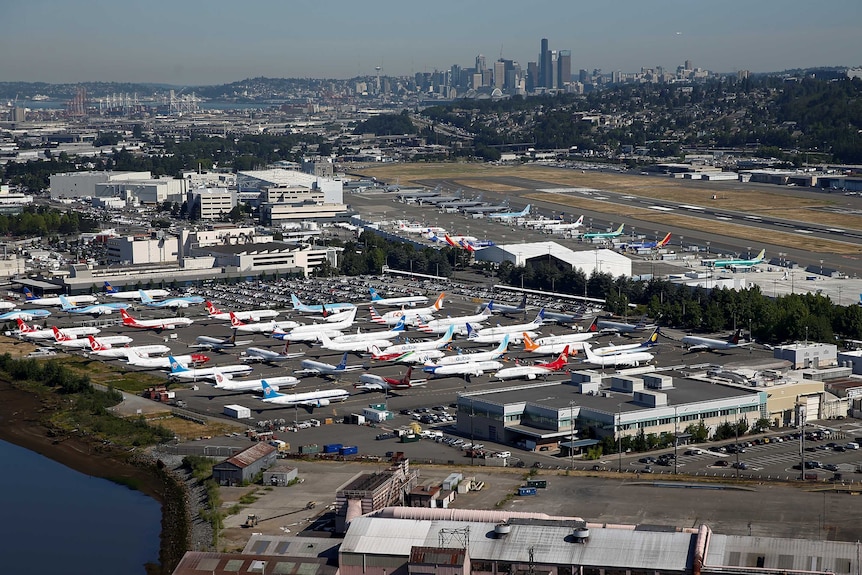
<point>56,520</point>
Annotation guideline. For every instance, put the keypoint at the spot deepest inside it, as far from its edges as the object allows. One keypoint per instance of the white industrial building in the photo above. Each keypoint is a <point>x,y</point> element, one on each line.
<point>137,250</point>
<point>211,203</point>
<point>83,184</point>
<point>588,261</point>
<point>155,191</point>
<point>261,180</point>
<point>276,257</point>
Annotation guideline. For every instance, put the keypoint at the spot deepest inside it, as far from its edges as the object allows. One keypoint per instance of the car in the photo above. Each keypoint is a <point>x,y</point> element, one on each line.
<point>740,465</point>
<point>840,448</point>
<point>647,459</point>
<point>503,454</point>
<point>830,467</point>
<point>646,469</point>
<point>721,463</point>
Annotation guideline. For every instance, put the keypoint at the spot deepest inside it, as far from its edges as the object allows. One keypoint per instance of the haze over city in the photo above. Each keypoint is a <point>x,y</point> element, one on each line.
<point>218,41</point>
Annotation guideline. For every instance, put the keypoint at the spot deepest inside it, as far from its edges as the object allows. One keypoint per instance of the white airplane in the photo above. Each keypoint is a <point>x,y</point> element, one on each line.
<point>372,382</point>
<point>310,399</point>
<point>533,371</point>
<point>410,300</point>
<point>470,368</point>
<point>223,381</point>
<point>313,331</point>
<point>545,224</point>
<point>261,326</point>
<point>371,336</point>
<point>695,343</point>
<point>332,317</point>
<point>57,300</point>
<point>218,343</point>
<point>319,308</point>
<point>29,332</point>
<point>406,357</point>
<point>138,360</point>
<point>71,341</point>
<point>101,348</point>
<point>180,371</point>
<point>625,359</point>
<point>510,215</point>
<point>574,337</point>
<point>421,229</point>
<point>24,314</point>
<point>269,356</point>
<point>154,324</point>
<point>608,326</point>
<point>314,367</point>
<point>92,309</point>
<point>133,294</point>
<point>351,346</point>
<point>629,347</point>
<point>535,348</point>
<point>7,305</point>
<point>392,317</point>
<point>247,315</point>
<point>175,302</point>
<point>495,353</point>
<point>440,325</point>
<point>493,334</point>
<point>422,345</point>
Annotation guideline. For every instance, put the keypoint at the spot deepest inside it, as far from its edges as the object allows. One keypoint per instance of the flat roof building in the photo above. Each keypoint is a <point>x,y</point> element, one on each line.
<point>587,261</point>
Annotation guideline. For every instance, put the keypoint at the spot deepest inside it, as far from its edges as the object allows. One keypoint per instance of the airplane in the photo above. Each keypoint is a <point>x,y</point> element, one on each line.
<point>180,371</point>
<point>473,245</point>
<point>558,224</point>
<point>604,235</point>
<point>442,324</point>
<point>154,324</point>
<point>495,353</point>
<point>310,399</point>
<point>510,215</point>
<point>25,315</point>
<point>248,315</point>
<point>370,336</point>
<point>66,340</point>
<point>56,300</point>
<point>695,343</point>
<point>497,336</point>
<point>269,356</point>
<point>411,300</point>
<point>742,263</point>
<point>423,356</point>
<point>469,368</point>
<point>175,302</point>
<point>133,294</point>
<point>261,326</point>
<point>508,309</point>
<point>102,348</point>
<point>218,343</point>
<point>93,309</point>
<point>312,332</point>
<point>351,345</point>
<point>626,359</point>
<point>301,307</point>
<point>647,245</point>
<point>372,382</point>
<point>313,367</point>
<point>484,210</point>
<point>630,347</point>
<point>332,317</point>
<point>423,345</point>
<point>420,229</point>
<point>7,305</point>
<point>392,317</point>
<point>223,381</point>
<point>500,330</point>
<point>536,348</point>
<point>454,241</point>
<point>30,332</point>
<point>608,326</point>
<point>566,318</point>
<point>138,360</point>
<point>533,371</point>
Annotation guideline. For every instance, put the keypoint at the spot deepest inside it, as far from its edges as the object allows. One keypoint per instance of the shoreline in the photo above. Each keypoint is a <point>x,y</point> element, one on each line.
<point>22,423</point>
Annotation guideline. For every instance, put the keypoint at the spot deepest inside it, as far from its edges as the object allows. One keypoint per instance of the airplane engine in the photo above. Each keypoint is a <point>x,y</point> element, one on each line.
<point>107,312</point>
<point>322,402</point>
<point>531,376</point>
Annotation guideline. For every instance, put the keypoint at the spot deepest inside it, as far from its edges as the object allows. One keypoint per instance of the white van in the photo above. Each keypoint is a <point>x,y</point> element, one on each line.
<point>852,445</point>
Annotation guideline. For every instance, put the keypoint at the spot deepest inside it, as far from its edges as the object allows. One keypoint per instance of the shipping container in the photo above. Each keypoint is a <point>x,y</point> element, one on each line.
<point>351,450</point>
<point>309,449</point>
<point>332,448</point>
<point>526,491</point>
<point>540,483</point>
<point>237,411</point>
<point>409,438</point>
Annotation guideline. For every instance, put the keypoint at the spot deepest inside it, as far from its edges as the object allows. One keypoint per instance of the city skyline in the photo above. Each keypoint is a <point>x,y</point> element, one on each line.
<point>215,42</point>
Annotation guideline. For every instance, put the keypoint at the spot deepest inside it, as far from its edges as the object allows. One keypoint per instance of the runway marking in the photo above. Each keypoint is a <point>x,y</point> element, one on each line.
<point>803,231</point>
<point>661,208</point>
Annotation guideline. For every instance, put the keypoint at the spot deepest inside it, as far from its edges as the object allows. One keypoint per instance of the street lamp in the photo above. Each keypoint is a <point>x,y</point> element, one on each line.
<point>619,437</point>
<point>571,435</point>
<point>675,437</point>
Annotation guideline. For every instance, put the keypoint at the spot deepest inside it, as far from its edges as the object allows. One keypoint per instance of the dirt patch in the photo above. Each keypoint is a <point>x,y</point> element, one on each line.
<point>188,430</point>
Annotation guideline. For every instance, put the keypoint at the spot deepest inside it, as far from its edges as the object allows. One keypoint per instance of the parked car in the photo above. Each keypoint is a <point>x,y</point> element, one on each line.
<point>721,463</point>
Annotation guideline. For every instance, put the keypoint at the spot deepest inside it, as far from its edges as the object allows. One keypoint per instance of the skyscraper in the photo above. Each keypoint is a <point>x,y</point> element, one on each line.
<point>564,68</point>
<point>546,71</point>
<point>532,76</point>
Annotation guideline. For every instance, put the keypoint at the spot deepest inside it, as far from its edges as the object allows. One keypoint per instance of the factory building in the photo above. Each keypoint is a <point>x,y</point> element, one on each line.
<point>261,180</point>
<point>157,191</point>
<point>242,467</point>
<point>211,203</point>
<point>137,250</point>
<point>808,354</point>
<point>588,261</point>
<point>278,257</point>
<point>368,492</point>
<point>83,184</point>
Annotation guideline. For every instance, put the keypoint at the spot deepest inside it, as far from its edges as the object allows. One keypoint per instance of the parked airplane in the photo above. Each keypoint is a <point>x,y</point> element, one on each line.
<point>495,353</point>
<point>469,368</point>
<point>647,245</point>
<point>508,309</point>
<point>57,300</point>
<point>31,332</point>
<point>536,348</point>
<point>567,318</point>
<point>181,371</point>
<point>310,399</point>
<point>224,381</point>
<point>695,343</point>
<point>630,347</point>
<point>24,314</point>
<point>72,341</point>
<point>301,307</point>
<point>484,210</point>
<point>392,317</point>
<point>368,337</point>
<point>218,343</point>
<point>510,215</point>
<point>312,332</point>
<point>608,326</point>
<point>261,326</point>
<point>739,262</point>
<point>92,309</point>
<point>604,235</point>
<point>419,229</point>
<point>423,356</point>
<point>558,225</point>
<point>515,330</point>
<point>372,382</point>
<point>442,324</point>
<point>410,300</point>
<point>534,371</point>
<point>154,324</point>
<point>174,302</point>
<point>139,360</point>
<point>473,245</point>
<point>423,345</point>
<point>332,316</point>
<point>314,367</point>
<point>102,348</point>
<point>133,294</point>
<point>624,359</point>
<point>351,345</point>
<point>7,305</point>
<point>248,315</point>
<point>269,356</point>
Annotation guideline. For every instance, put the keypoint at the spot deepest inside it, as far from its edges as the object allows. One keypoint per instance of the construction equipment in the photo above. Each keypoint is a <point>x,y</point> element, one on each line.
<point>251,521</point>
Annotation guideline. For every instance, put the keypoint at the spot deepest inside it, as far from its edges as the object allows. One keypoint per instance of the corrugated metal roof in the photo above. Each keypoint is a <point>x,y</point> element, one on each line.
<point>786,554</point>
<point>248,456</point>
<point>437,555</point>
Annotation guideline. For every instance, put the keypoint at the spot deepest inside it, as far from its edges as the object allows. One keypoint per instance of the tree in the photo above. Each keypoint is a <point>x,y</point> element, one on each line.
<point>698,431</point>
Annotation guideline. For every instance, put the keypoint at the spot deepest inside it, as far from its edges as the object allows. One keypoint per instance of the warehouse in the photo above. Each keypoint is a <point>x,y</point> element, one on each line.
<point>242,467</point>
<point>279,474</point>
<point>587,261</point>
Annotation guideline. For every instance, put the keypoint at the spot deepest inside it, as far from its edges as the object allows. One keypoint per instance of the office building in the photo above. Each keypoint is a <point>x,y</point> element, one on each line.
<point>211,203</point>
<point>564,68</point>
<point>545,66</point>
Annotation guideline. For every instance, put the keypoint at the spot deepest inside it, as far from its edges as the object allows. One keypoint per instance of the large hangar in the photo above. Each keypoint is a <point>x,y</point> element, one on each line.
<point>588,261</point>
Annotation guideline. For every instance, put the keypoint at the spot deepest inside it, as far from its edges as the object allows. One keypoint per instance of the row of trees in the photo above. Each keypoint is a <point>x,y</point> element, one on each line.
<point>43,221</point>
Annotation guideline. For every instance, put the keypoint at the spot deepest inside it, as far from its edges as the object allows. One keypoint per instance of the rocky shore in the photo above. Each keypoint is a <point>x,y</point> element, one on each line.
<point>24,422</point>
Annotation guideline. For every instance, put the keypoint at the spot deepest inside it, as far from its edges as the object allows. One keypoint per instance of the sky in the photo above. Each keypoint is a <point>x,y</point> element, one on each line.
<point>201,42</point>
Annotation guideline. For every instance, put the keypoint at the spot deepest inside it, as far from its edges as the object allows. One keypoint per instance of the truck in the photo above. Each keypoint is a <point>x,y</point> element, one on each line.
<point>539,483</point>
<point>524,490</point>
<point>310,449</point>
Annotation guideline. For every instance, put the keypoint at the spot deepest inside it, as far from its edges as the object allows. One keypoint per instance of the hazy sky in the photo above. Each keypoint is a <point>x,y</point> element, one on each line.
<point>193,42</point>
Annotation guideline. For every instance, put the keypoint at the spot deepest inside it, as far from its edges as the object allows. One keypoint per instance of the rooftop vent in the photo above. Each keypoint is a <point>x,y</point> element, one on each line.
<point>501,530</point>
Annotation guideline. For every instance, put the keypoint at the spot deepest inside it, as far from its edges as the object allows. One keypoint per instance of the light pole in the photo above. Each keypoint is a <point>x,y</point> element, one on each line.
<point>619,437</point>
<point>571,435</point>
<point>736,429</point>
<point>675,437</point>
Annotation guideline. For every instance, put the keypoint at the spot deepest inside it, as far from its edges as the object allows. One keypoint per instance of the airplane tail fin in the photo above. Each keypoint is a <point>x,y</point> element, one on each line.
<point>343,363</point>
<point>295,302</point>
<point>268,391</point>
<point>665,241</point>
<point>561,360</point>
<point>211,308</point>
<point>447,337</point>
<point>439,303</point>
<point>176,366</point>
<point>235,321</point>
<point>95,345</point>
<point>402,324</point>
<point>487,311</point>
<point>593,327</point>
<point>761,255</point>
<point>523,304</point>
<point>580,221</point>
<point>653,338</point>
<point>588,351</point>
<point>375,317</point>
<point>28,295</point>
<point>620,229</point>
<point>504,344</point>
<point>65,304</point>
<point>127,318</point>
<point>374,295</point>
<point>59,335</point>
<point>471,331</point>
<point>734,339</point>
<point>145,297</point>
<point>422,326</point>
<point>406,379</point>
<point>529,344</point>
<point>540,317</point>
<point>23,327</point>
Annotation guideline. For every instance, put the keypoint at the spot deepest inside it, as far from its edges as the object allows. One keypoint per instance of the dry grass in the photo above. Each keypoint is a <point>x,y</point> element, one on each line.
<point>189,430</point>
<point>488,186</point>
